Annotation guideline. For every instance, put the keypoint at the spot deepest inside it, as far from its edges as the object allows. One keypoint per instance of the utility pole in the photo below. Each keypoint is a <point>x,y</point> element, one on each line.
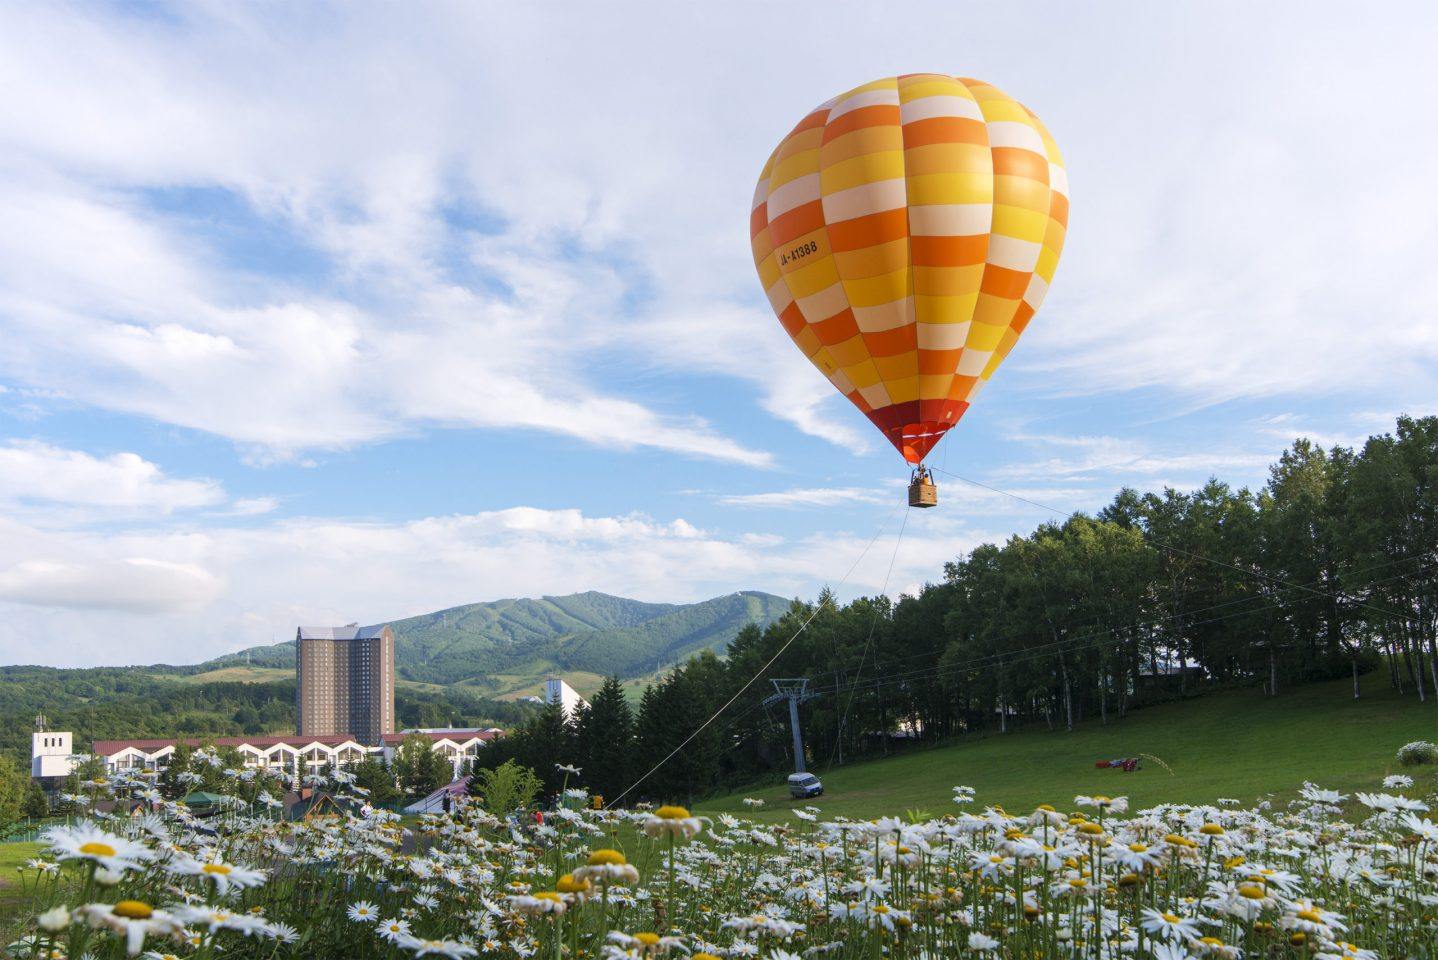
<point>796,691</point>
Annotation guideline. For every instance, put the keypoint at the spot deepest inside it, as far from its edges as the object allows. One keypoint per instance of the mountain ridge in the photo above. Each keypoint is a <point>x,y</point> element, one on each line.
<point>589,632</point>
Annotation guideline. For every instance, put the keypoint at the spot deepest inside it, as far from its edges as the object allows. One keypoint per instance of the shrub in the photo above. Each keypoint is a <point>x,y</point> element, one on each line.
<point>508,787</point>
<point>1418,753</point>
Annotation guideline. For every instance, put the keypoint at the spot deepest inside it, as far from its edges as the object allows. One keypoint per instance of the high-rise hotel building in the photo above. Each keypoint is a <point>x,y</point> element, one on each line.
<point>346,682</point>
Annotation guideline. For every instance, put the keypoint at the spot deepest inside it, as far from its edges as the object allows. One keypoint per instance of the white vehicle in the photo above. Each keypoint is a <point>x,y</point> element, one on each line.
<point>804,785</point>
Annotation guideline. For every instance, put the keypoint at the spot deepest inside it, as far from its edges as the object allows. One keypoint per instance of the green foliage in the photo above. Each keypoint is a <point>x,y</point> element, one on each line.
<point>604,741</point>
<point>591,632</point>
<point>1229,743</point>
<point>1328,571</point>
<point>1418,753</point>
<point>36,805</point>
<point>418,769</point>
<point>12,795</point>
<point>122,703</point>
<point>374,775</point>
<point>506,788</point>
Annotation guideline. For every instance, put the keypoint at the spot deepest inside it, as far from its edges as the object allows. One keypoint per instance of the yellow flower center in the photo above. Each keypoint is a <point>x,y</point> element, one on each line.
<point>217,868</point>
<point>547,895</point>
<point>1138,847</point>
<point>1046,807</point>
<point>567,884</point>
<point>607,858</point>
<point>671,812</point>
<point>1171,918</point>
<point>1211,830</point>
<point>96,849</point>
<point>1311,915</point>
<point>647,938</point>
<point>881,908</point>
<point>1251,892</point>
<point>132,909</point>
<point>1092,829</point>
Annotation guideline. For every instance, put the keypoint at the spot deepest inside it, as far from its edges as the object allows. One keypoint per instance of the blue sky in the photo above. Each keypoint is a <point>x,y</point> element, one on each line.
<point>350,312</point>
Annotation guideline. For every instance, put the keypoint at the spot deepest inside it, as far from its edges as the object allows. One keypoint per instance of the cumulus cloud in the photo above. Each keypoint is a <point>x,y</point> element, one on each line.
<point>467,222</point>
<point>34,472</point>
<point>183,595</point>
<point>487,243</point>
<point>129,585</point>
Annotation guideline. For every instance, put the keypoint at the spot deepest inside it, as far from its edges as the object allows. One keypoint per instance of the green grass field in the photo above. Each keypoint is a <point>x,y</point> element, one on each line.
<point>1237,744</point>
<point>13,904</point>
<point>239,674</point>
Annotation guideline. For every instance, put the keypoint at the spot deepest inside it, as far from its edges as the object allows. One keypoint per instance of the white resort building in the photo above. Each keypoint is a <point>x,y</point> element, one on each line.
<point>53,755</point>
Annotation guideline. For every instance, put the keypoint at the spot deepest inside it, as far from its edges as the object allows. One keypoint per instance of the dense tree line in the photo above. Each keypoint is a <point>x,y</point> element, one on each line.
<point>113,703</point>
<point>1327,571</point>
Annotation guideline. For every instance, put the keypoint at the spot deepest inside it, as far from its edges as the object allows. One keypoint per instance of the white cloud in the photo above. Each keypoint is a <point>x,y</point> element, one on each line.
<point>183,595</point>
<point>253,506</point>
<point>611,210</point>
<point>130,585</point>
<point>1128,458</point>
<point>32,472</point>
<point>513,234</point>
<point>809,497</point>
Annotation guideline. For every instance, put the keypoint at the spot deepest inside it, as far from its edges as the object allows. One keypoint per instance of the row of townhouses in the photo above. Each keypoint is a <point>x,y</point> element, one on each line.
<point>53,754</point>
<point>345,705</point>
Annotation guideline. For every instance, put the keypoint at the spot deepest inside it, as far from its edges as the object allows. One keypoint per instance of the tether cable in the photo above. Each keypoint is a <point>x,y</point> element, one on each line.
<point>873,623</point>
<point>750,682</point>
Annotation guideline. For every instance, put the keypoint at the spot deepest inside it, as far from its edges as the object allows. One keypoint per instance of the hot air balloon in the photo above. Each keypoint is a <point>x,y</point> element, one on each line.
<point>906,232</point>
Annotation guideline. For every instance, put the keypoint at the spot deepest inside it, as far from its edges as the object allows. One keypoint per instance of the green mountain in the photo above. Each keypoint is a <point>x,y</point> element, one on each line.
<point>524,639</point>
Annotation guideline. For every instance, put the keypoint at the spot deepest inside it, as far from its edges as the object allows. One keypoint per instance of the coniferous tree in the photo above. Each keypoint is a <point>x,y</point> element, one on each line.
<point>604,734</point>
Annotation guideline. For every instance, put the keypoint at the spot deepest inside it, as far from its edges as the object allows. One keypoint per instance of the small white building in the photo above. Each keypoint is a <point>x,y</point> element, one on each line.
<point>557,691</point>
<point>52,753</point>
<point>294,756</point>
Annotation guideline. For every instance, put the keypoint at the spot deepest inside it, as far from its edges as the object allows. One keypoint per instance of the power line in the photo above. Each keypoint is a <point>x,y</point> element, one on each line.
<point>1042,651</point>
<point>1169,547</point>
<point>1158,620</point>
<point>748,683</point>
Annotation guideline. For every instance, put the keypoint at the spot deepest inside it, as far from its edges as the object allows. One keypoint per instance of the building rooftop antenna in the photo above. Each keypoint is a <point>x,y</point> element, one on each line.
<point>40,723</point>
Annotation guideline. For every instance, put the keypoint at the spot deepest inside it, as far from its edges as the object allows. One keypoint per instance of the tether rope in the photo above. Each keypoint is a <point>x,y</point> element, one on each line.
<point>874,622</point>
<point>750,682</point>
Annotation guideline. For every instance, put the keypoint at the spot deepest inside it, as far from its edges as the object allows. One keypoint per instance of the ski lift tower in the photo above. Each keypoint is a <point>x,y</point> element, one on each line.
<point>796,691</point>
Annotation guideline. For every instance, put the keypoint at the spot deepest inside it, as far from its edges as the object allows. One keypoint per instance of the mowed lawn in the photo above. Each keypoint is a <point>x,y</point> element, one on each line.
<point>1237,744</point>
<point>13,903</point>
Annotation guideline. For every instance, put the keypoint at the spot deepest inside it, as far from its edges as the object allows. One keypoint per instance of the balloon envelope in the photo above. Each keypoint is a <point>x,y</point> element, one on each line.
<point>906,232</point>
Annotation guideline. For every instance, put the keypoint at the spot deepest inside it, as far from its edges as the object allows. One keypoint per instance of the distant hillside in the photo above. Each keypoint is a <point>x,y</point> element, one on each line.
<point>524,638</point>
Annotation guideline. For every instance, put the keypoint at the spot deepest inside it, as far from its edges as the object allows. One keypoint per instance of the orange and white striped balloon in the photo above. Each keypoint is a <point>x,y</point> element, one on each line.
<point>906,232</point>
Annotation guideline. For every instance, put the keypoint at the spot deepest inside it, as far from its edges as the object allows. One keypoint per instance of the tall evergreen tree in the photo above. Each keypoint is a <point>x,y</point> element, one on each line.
<point>604,734</point>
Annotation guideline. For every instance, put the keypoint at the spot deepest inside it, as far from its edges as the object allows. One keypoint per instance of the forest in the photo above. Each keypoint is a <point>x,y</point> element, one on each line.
<point>106,703</point>
<point>1325,572</point>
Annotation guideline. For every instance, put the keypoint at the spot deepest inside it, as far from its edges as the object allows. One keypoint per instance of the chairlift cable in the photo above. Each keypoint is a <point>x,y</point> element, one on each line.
<point>750,682</point>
